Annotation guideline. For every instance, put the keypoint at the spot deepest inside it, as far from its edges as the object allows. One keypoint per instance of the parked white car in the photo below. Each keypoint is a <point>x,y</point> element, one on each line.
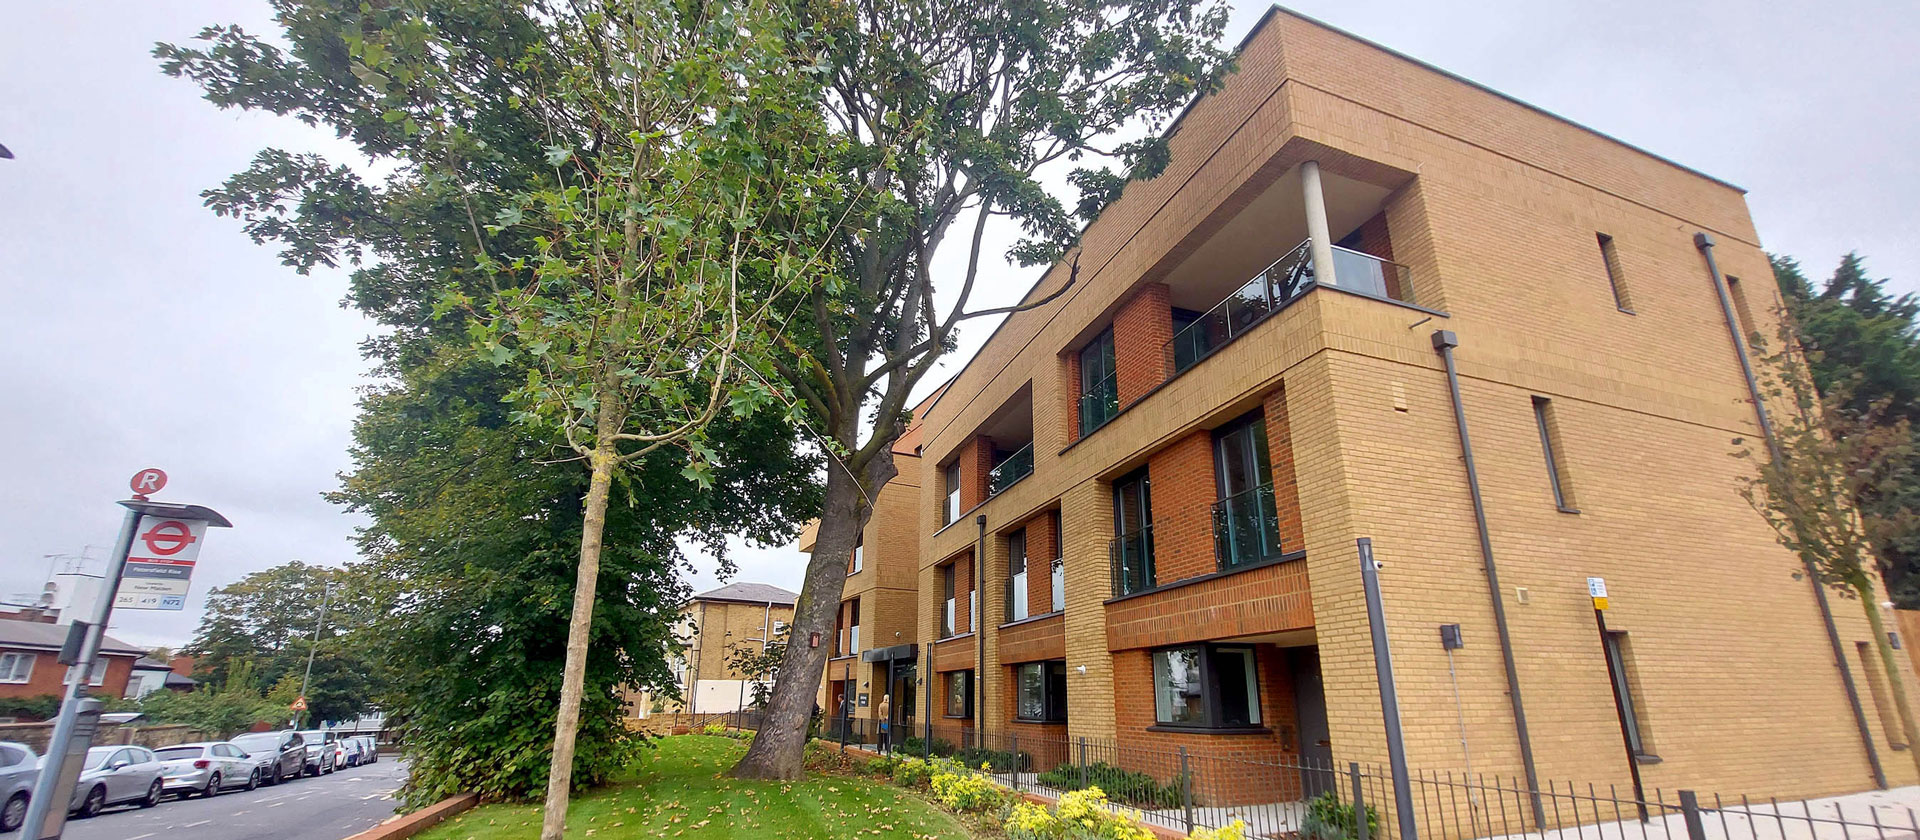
<point>207,768</point>
<point>116,775</point>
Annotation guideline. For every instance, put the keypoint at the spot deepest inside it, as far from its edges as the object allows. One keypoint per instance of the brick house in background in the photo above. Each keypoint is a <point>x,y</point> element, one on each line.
<point>1156,483</point>
<point>29,666</point>
<point>712,623</point>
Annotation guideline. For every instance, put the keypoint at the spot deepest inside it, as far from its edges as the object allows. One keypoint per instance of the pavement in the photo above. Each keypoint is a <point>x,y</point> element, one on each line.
<point>313,808</point>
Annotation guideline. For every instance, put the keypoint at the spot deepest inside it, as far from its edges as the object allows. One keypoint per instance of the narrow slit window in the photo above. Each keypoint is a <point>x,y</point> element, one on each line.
<point>1550,447</point>
<point>1741,312</point>
<point>1615,277</point>
<point>950,506</point>
<point>1619,659</point>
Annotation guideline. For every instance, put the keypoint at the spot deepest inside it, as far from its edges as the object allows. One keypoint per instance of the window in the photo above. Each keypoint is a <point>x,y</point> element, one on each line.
<point>1618,660</point>
<point>1882,703</point>
<point>853,629</point>
<point>1017,608</point>
<point>1206,687</point>
<point>1133,535</point>
<point>1556,471</point>
<point>946,590</point>
<point>1191,343</point>
<point>98,674</point>
<point>960,694</point>
<point>857,561</point>
<point>16,668</point>
<point>1742,314</point>
<point>1099,383</point>
<point>1059,568</point>
<point>950,508</point>
<point>1042,688</point>
<point>1246,523</point>
<point>1615,278</point>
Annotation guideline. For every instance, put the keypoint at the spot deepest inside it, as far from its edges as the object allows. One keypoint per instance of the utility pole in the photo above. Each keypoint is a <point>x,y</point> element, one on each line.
<point>326,593</point>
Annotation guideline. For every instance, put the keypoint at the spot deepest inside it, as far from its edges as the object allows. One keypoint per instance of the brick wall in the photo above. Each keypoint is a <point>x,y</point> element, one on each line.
<point>49,677</point>
<point>1034,640</point>
<point>1183,493</point>
<point>1266,599</point>
<point>1141,329</point>
<point>1286,487</point>
<point>1230,768</point>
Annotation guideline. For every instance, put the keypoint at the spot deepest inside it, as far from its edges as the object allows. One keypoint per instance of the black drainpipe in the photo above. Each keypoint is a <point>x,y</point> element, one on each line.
<point>1444,341</point>
<point>1704,242</point>
<point>979,634</point>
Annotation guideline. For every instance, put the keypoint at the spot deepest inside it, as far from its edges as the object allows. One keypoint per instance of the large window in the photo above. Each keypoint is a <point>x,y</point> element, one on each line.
<point>1017,576</point>
<point>1042,690</point>
<point>950,506</point>
<point>1206,687</point>
<point>16,668</point>
<point>960,694</point>
<point>1059,564</point>
<point>1133,535</point>
<point>1246,523</point>
<point>946,593</point>
<point>1099,383</point>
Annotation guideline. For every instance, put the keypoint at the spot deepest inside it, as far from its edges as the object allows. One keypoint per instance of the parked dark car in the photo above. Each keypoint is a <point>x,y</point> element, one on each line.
<point>282,755</point>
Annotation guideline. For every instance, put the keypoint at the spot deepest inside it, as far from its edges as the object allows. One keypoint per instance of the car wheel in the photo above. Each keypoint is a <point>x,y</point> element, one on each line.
<point>95,801</point>
<point>213,787</point>
<point>154,793</point>
<point>14,813</point>
<point>253,779</point>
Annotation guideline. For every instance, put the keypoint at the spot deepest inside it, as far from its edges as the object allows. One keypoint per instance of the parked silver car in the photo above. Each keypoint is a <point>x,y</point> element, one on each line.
<point>19,768</point>
<point>372,747</point>
<point>207,768</point>
<point>115,775</point>
<point>320,751</point>
<point>282,756</point>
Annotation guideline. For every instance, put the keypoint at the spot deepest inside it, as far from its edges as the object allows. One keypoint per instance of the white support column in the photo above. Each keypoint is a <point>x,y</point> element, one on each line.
<point>1321,246</point>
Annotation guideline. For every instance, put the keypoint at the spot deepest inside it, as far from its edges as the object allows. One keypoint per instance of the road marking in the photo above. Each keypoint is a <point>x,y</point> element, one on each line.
<point>141,836</point>
<point>276,804</point>
<point>195,824</point>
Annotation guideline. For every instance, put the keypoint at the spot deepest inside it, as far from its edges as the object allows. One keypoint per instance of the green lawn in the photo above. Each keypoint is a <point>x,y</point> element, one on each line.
<point>681,790</point>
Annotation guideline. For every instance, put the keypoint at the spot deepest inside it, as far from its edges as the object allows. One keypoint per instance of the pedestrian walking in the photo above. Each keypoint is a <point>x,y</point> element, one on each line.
<point>886,717</point>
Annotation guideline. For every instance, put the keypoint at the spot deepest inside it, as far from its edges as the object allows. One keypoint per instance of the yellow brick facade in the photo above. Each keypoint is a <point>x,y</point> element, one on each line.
<point>1493,208</point>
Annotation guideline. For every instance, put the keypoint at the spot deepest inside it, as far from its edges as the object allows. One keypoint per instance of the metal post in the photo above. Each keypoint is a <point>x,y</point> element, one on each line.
<point>1389,695</point>
<point>1186,789</point>
<point>45,789</point>
<point>978,618</point>
<point>846,702</point>
<point>1690,812</point>
<point>1083,762</point>
<point>1013,748</point>
<point>326,594</point>
<point>1359,802</point>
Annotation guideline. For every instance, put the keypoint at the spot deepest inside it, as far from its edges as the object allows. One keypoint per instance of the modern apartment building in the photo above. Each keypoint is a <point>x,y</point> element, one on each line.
<point>712,625</point>
<point>1144,501</point>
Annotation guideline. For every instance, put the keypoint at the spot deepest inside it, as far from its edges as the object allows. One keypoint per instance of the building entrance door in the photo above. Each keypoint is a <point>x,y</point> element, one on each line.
<point>902,683</point>
<point>1310,714</point>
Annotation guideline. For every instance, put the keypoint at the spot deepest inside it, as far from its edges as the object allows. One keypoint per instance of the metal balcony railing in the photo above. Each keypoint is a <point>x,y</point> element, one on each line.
<point>1246,528</point>
<point>1099,404</point>
<point>1017,466</point>
<point>1271,290</point>
<point>1131,555</point>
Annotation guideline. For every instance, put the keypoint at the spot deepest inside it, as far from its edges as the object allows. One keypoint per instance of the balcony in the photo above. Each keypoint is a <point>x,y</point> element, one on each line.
<point>1198,335</point>
<point>1099,404</point>
<point>1012,468</point>
<point>1246,528</point>
<point>1131,556</point>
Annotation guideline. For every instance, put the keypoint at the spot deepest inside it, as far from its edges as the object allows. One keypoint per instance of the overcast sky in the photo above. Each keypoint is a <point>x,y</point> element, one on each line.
<point>143,331</point>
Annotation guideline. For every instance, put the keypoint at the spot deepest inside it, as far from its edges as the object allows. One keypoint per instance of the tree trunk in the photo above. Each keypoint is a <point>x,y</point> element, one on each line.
<point>1895,673</point>
<point>573,682</point>
<point>779,748</point>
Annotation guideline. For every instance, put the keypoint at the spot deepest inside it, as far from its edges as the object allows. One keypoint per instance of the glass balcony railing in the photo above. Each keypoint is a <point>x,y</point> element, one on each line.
<point>1270,291</point>
<point>1017,466</point>
<point>1100,404</point>
<point>1246,528</point>
<point>1132,558</point>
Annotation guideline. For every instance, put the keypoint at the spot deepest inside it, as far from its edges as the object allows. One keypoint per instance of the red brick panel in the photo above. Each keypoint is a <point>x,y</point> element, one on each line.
<point>1040,554</point>
<point>1228,768</point>
<point>1141,329</point>
<point>49,677</point>
<point>1070,395</point>
<point>1286,488</point>
<point>954,655</point>
<point>976,460</point>
<point>1033,641</point>
<point>1266,599</point>
<point>1183,495</point>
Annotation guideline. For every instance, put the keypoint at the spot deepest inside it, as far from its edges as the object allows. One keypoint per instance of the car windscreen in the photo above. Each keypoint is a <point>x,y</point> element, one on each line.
<point>257,743</point>
<point>177,753</point>
<point>97,757</point>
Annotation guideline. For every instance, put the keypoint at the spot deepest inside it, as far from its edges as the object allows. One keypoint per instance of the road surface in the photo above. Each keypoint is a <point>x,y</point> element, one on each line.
<point>322,808</point>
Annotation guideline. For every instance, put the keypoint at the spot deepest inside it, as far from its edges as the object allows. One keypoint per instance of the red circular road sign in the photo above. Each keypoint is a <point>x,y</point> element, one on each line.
<point>169,536</point>
<point>148,481</point>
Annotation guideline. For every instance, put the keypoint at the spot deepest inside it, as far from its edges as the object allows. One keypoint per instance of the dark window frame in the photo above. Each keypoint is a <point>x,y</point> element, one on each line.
<point>1093,379</point>
<point>1546,421</point>
<point>1626,706</point>
<point>1210,690</point>
<point>1616,276</point>
<point>962,681</point>
<point>1260,468</point>
<point>950,493</point>
<point>1052,686</point>
<point>949,606</point>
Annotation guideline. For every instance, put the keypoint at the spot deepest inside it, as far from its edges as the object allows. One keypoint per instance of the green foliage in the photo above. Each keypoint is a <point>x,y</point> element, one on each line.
<point>916,745</point>
<point>913,772</point>
<point>265,622</point>
<point>43,707</point>
<point>1328,818</point>
<point>1139,789</point>
<point>1079,815</point>
<point>220,710</point>
<point>759,663</point>
<point>965,790</point>
<point>1000,761</point>
<point>881,765</point>
<point>1863,354</point>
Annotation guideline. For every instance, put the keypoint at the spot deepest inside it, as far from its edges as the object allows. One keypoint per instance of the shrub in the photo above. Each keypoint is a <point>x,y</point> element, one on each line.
<point>913,772</point>
<point>999,761</point>
<point>1138,789</point>
<point>826,758</point>
<point>915,745</point>
<point>1080,815</point>
<point>882,765</point>
<point>1235,830</point>
<point>714,729</point>
<point>966,791</point>
<point>1328,818</point>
